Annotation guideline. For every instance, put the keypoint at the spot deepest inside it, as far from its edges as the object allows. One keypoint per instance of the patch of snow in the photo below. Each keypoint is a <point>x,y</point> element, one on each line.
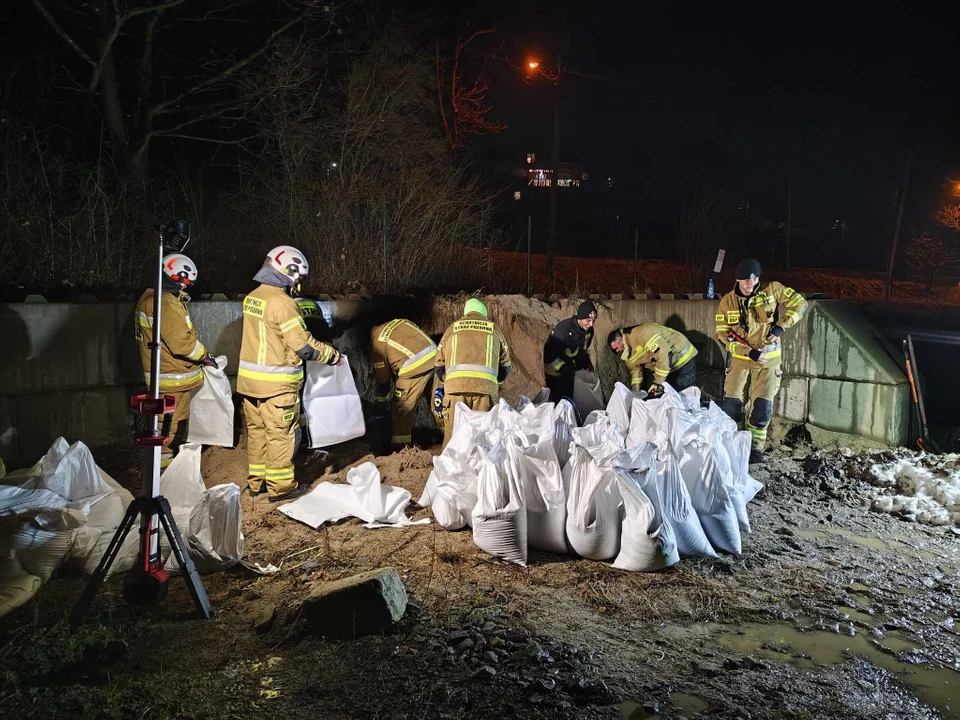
<point>924,489</point>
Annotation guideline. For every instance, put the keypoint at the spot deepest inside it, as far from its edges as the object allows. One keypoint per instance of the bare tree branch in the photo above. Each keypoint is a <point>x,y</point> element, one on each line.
<point>61,32</point>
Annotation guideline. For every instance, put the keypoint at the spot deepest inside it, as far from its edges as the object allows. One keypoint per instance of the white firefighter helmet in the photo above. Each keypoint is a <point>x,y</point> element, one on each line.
<point>181,269</point>
<point>289,261</point>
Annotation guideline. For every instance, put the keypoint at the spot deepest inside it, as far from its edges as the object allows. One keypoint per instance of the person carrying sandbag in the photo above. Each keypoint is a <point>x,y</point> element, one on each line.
<point>182,355</point>
<point>274,346</point>
<point>472,360</point>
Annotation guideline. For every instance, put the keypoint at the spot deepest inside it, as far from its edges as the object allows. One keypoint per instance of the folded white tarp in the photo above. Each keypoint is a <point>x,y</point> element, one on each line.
<point>331,404</point>
<point>211,408</point>
<point>363,497</point>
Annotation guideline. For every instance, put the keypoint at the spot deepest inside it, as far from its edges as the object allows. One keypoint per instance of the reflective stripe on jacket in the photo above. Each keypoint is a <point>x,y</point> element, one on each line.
<point>273,332</point>
<point>472,351</point>
<point>754,317</point>
<point>657,348</point>
<point>400,348</point>
<point>180,348</point>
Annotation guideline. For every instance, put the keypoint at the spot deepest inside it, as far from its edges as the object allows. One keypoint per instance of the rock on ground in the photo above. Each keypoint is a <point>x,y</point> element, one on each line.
<point>364,604</point>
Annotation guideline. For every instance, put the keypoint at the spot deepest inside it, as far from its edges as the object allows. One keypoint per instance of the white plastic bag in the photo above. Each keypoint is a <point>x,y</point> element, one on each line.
<point>331,404</point>
<point>678,509</point>
<point>620,405</point>
<point>587,395</point>
<point>500,518</point>
<point>565,420</point>
<point>211,408</point>
<point>642,533</point>
<point>709,496</point>
<point>543,495</point>
<point>593,516</point>
<point>213,535</point>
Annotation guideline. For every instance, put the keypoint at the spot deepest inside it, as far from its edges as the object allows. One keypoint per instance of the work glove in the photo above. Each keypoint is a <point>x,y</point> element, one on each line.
<point>336,358</point>
<point>655,391</point>
<point>209,361</point>
<point>731,338</point>
<point>775,332</point>
<point>758,357</point>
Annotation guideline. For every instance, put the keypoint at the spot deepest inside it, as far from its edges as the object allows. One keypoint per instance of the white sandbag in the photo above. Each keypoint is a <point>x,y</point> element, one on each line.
<point>587,395</point>
<point>40,540</point>
<point>213,535</point>
<point>690,398</point>
<point>640,534</point>
<point>69,471</point>
<point>642,464</point>
<point>331,404</point>
<point>620,405</point>
<point>593,517</point>
<point>702,476</point>
<point>17,586</point>
<point>211,408</point>
<point>723,422</point>
<point>743,486</point>
<point>565,420</point>
<point>647,422</point>
<point>543,494</point>
<point>500,518</point>
<point>537,421</point>
<point>182,485</point>
<point>678,509</point>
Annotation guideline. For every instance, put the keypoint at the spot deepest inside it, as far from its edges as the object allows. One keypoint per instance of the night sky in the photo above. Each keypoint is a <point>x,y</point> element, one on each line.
<point>709,97</point>
<point>720,97</point>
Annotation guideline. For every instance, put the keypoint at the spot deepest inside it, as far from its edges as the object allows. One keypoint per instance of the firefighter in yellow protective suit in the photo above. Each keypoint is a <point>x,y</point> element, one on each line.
<point>751,319</point>
<point>660,353</point>
<point>274,346</point>
<point>182,355</point>
<point>401,350</point>
<point>473,358</point>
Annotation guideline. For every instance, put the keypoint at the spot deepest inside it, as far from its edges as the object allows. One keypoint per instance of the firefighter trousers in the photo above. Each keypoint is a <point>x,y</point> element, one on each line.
<point>764,383</point>
<point>474,401</point>
<point>405,397</point>
<point>178,427</point>
<point>271,441</point>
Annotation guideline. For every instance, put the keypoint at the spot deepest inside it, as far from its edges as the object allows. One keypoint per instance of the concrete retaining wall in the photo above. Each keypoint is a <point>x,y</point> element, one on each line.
<point>69,369</point>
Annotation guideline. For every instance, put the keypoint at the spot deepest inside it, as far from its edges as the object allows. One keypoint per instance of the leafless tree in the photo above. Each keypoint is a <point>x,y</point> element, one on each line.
<point>140,81</point>
<point>949,215</point>
<point>707,224</point>
<point>462,100</point>
<point>929,254</point>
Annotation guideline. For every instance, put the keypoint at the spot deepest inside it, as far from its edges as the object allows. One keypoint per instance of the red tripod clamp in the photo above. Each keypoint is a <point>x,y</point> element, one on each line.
<point>147,406</point>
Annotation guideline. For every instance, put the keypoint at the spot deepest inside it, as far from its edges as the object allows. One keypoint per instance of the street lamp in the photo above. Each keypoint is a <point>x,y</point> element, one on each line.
<point>553,75</point>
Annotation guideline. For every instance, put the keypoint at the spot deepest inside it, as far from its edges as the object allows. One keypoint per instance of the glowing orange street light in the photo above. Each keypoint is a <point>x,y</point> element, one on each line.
<point>533,64</point>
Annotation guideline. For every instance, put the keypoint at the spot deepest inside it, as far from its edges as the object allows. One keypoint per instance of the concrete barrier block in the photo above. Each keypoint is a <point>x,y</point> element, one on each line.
<point>220,327</point>
<point>791,402</point>
<point>874,411</point>
<point>96,417</point>
<point>57,346</point>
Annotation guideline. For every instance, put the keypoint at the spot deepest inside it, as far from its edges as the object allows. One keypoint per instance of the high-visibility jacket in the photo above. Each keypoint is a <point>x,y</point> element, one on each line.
<point>180,349</point>
<point>273,332</point>
<point>657,348</point>
<point>752,318</point>
<point>400,349</point>
<point>474,356</point>
<point>567,349</point>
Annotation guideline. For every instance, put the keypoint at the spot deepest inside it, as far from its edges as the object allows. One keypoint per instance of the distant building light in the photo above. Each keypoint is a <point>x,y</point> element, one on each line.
<point>333,164</point>
<point>516,195</point>
<point>531,158</point>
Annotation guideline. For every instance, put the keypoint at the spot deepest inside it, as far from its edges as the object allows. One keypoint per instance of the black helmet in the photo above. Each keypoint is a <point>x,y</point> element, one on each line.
<point>748,269</point>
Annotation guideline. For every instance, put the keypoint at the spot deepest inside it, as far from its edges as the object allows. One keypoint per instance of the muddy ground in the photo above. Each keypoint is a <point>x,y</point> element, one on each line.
<point>832,611</point>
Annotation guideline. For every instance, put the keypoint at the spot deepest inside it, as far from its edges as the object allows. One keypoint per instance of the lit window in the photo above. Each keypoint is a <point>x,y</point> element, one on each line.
<point>531,158</point>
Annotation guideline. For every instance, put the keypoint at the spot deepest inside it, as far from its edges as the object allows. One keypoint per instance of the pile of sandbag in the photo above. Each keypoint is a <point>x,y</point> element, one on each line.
<point>642,483</point>
<point>65,509</point>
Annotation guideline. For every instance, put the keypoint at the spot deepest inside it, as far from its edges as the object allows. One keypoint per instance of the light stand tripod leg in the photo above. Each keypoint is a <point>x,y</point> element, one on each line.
<point>179,548</point>
<point>96,580</point>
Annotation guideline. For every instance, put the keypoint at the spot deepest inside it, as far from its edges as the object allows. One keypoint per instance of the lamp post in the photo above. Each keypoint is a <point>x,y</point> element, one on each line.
<point>553,75</point>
